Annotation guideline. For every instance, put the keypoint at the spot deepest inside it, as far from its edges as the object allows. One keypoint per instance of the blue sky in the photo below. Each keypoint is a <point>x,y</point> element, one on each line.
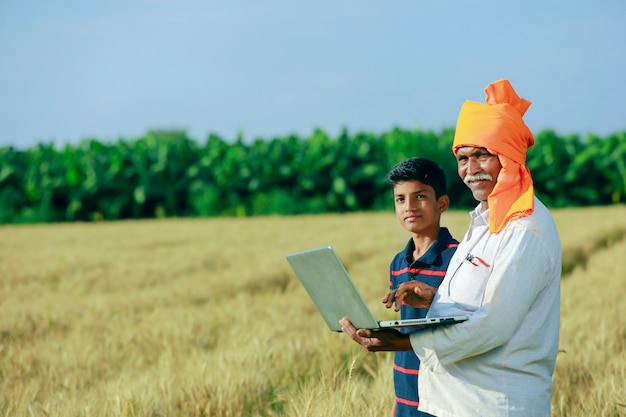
<point>109,69</point>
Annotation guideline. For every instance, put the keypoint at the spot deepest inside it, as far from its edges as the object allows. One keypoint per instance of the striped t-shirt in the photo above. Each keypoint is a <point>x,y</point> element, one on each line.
<point>430,269</point>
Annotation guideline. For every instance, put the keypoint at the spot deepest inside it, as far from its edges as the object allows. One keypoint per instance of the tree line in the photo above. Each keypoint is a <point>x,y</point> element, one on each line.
<point>169,174</point>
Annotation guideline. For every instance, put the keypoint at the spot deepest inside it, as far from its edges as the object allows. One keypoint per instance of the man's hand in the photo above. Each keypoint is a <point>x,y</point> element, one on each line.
<point>414,293</point>
<point>384,340</point>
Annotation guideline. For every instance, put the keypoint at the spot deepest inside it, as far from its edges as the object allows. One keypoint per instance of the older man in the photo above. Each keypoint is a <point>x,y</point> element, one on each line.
<point>505,276</point>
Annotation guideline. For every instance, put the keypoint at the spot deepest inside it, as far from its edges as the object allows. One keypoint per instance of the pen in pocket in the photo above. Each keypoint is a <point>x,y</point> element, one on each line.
<point>476,261</point>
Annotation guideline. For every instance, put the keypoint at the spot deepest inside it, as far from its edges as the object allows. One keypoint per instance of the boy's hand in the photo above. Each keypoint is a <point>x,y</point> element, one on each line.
<point>414,293</point>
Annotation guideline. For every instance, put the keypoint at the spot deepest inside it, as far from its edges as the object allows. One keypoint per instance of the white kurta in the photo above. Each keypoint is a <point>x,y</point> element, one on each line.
<point>500,361</point>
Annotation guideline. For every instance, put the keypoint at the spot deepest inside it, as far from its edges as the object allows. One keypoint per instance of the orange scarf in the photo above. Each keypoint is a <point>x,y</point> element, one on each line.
<point>498,127</point>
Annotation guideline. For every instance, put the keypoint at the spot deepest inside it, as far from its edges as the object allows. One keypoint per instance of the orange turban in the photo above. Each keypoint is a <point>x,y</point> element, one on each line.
<point>498,127</point>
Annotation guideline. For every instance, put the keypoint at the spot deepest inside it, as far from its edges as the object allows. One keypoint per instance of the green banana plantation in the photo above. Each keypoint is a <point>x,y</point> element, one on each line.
<point>168,174</point>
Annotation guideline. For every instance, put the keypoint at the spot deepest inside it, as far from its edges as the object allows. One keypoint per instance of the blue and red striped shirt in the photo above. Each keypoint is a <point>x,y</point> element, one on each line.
<point>430,269</point>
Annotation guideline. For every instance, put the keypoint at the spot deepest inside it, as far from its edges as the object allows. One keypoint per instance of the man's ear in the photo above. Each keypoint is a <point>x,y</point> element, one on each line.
<point>443,203</point>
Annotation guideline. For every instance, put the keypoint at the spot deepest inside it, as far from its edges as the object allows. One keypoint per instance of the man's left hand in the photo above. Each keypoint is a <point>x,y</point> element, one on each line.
<point>383,340</point>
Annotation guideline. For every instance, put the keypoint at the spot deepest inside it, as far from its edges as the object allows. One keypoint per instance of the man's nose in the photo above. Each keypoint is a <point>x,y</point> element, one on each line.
<point>473,166</point>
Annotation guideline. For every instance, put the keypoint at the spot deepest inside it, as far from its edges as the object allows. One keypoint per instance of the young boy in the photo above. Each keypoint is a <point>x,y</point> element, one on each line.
<point>420,197</point>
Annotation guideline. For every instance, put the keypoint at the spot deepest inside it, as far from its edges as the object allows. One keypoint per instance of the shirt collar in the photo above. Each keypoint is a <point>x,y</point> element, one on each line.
<point>438,246</point>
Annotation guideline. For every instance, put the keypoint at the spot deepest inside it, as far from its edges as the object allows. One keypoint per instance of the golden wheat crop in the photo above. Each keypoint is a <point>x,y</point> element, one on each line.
<point>203,317</point>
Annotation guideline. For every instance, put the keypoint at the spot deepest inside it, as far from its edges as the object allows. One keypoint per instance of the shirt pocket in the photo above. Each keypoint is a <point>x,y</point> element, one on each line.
<point>467,288</point>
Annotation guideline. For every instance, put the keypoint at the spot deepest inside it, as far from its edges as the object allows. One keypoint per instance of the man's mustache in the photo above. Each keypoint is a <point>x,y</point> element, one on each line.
<point>478,177</point>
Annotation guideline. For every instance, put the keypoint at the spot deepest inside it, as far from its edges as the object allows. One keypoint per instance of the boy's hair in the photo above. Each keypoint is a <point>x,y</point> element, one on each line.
<point>424,170</point>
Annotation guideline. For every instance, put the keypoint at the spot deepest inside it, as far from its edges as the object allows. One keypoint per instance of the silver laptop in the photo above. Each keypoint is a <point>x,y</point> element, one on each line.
<point>332,291</point>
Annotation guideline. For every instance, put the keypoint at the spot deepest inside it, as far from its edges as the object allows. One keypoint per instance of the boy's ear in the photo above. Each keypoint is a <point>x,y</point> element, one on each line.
<point>443,203</point>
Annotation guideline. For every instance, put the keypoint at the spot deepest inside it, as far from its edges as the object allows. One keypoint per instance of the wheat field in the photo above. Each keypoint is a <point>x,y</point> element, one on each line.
<point>203,317</point>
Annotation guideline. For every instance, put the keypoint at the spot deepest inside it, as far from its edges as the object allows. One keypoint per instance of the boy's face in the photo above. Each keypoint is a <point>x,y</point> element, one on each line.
<point>417,208</point>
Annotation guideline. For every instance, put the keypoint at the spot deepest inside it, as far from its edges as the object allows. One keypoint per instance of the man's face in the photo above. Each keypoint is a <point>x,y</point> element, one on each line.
<point>479,170</point>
